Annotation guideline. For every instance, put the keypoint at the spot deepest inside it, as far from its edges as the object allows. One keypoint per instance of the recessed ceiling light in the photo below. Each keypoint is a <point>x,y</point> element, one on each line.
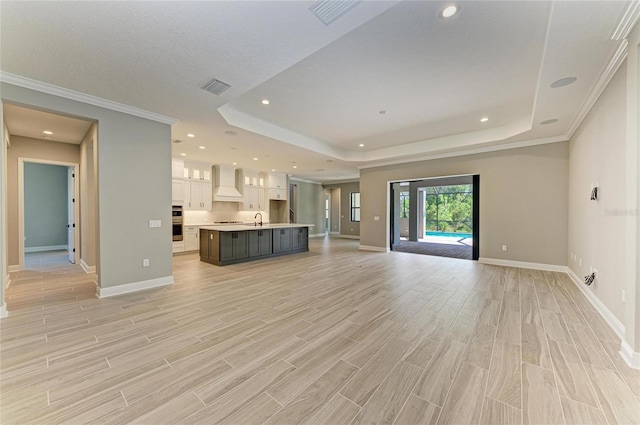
<point>183,154</point>
<point>201,147</point>
<point>234,163</point>
<point>255,159</point>
<point>551,121</point>
<point>265,101</point>
<point>361,145</point>
<point>563,82</point>
<point>273,169</point>
<point>191,135</point>
<point>48,132</point>
<point>449,11</point>
<point>484,119</point>
<point>295,166</point>
<point>230,133</point>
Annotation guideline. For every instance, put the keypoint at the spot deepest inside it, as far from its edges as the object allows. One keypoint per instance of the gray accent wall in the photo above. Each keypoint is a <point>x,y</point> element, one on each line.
<point>310,205</point>
<point>134,186</point>
<point>46,206</point>
<point>347,227</point>
<point>523,200</point>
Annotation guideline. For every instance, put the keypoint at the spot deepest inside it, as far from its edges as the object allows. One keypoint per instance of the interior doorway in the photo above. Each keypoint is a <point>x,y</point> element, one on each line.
<point>47,208</point>
<point>437,216</point>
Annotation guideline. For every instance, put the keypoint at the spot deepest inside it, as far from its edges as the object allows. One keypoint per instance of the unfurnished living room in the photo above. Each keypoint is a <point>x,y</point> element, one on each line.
<point>205,209</point>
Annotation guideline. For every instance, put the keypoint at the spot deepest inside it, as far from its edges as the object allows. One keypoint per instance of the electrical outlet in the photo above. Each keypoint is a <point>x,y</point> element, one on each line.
<point>155,223</point>
<point>624,296</point>
<point>376,217</point>
<point>145,262</point>
<point>504,247</point>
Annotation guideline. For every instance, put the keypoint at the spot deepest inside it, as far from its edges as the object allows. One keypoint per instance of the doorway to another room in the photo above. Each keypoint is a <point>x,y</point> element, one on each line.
<point>438,216</point>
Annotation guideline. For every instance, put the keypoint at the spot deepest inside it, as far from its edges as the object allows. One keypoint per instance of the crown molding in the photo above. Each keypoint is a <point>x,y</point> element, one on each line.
<point>607,74</point>
<point>471,151</point>
<point>628,21</point>
<point>47,88</point>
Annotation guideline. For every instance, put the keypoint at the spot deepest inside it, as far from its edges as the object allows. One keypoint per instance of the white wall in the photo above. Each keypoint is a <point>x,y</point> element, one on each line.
<point>597,228</point>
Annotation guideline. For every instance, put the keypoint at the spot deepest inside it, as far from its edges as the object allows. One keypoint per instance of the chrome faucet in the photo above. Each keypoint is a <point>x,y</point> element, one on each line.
<point>256,216</point>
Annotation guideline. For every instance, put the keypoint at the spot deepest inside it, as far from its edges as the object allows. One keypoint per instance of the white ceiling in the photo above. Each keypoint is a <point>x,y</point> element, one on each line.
<point>32,123</point>
<point>434,77</point>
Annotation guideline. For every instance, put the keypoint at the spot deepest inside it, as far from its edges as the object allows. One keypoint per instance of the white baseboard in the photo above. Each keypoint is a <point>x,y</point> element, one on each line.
<point>134,287</point>
<point>373,248</point>
<point>334,233</point>
<point>349,236</point>
<point>523,264</point>
<point>607,315</point>
<point>3,311</point>
<point>87,268</point>
<point>45,248</point>
<point>14,268</point>
<point>631,357</point>
<point>318,235</point>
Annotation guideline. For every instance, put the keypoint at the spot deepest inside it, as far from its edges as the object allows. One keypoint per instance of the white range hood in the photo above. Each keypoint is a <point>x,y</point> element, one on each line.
<point>225,189</point>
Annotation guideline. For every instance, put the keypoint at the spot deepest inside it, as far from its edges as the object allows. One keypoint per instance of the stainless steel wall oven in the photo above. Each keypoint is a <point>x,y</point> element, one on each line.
<point>176,221</point>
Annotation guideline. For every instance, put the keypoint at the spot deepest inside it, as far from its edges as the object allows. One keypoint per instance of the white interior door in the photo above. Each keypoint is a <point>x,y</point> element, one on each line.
<point>71,222</point>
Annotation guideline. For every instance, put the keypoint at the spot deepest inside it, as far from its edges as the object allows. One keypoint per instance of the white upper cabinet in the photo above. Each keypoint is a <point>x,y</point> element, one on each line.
<point>197,195</point>
<point>277,180</point>
<point>177,191</point>
<point>254,198</point>
<point>177,168</point>
<point>197,171</point>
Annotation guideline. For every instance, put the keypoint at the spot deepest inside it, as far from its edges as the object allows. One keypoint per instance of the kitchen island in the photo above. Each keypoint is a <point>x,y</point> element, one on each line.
<point>230,244</point>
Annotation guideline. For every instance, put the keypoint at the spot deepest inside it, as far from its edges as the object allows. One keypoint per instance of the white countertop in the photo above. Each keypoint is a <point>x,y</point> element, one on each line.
<point>249,226</point>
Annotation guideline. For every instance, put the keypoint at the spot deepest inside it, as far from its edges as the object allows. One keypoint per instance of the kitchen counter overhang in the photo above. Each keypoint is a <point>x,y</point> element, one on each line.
<point>230,244</point>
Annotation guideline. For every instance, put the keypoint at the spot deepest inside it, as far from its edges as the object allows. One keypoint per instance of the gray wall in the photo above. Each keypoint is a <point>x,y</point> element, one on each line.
<point>310,205</point>
<point>134,186</point>
<point>597,228</point>
<point>348,227</point>
<point>45,205</point>
<point>24,147</point>
<point>88,197</point>
<point>523,200</point>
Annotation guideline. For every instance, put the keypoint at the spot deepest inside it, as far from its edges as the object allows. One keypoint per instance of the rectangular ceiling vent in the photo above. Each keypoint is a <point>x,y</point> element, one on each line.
<point>330,10</point>
<point>216,86</point>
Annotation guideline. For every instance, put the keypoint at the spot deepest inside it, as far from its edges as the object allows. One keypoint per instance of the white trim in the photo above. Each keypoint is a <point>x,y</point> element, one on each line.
<point>349,236</point>
<point>7,279</point>
<point>317,235</point>
<point>87,268</point>
<point>128,288</point>
<point>15,268</point>
<point>610,70</point>
<point>467,151</point>
<point>522,264</point>
<point>627,22</point>
<point>606,314</point>
<point>632,358</point>
<point>45,248</point>
<point>3,311</point>
<point>28,83</point>
<point>298,179</point>
<point>76,205</point>
<point>373,248</point>
<point>334,233</point>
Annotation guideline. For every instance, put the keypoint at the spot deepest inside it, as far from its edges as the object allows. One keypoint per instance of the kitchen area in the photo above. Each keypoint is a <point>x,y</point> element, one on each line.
<point>232,215</point>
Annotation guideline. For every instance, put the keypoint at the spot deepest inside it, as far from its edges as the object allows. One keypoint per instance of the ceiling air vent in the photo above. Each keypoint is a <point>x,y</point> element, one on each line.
<point>330,10</point>
<point>177,141</point>
<point>215,86</point>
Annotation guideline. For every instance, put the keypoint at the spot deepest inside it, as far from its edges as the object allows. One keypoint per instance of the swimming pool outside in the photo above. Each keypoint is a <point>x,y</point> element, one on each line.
<point>449,234</point>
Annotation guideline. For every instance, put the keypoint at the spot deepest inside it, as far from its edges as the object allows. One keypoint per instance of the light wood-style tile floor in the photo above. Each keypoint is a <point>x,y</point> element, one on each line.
<point>332,336</point>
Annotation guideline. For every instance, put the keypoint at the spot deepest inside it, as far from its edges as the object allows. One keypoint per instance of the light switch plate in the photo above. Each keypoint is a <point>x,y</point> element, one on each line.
<point>155,223</point>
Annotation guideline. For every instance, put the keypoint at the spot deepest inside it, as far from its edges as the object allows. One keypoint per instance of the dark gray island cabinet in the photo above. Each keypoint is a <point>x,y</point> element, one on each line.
<point>221,245</point>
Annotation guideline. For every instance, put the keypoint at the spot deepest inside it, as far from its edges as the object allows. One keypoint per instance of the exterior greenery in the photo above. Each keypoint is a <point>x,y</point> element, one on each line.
<point>449,209</point>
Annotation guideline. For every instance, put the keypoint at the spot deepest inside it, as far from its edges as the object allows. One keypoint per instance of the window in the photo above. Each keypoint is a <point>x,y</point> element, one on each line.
<point>355,206</point>
<point>404,204</point>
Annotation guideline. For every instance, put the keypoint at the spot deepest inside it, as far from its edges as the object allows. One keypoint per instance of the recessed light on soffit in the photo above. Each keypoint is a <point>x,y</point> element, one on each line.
<point>265,101</point>
<point>361,145</point>
<point>183,154</point>
<point>330,10</point>
<point>48,132</point>
<point>449,11</point>
<point>484,119</point>
<point>563,82</point>
<point>201,147</point>
<point>547,122</point>
<point>191,135</point>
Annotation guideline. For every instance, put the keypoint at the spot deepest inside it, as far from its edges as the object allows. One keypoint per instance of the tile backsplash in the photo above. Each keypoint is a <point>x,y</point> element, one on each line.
<point>223,211</point>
